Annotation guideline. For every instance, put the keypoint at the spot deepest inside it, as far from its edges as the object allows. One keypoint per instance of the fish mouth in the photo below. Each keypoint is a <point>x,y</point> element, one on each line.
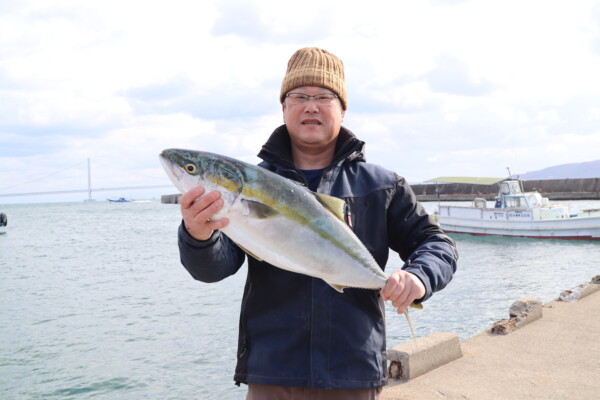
<point>174,172</point>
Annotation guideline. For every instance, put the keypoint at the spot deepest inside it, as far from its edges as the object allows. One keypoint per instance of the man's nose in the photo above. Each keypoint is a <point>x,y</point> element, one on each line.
<point>311,105</point>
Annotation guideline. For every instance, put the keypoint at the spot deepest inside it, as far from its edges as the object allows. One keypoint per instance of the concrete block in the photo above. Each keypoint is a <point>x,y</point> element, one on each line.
<point>504,326</point>
<point>170,198</point>
<point>589,289</point>
<point>578,292</point>
<point>570,295</point>
<point>521,312</point>
<point>525,310</point>
<point>417,357</point>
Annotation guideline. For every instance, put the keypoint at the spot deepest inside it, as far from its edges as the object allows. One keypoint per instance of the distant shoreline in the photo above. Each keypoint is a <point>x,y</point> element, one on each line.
<point>553,189</point>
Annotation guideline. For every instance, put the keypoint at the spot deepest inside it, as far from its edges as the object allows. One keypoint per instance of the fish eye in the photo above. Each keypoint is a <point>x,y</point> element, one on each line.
<point>191,168</point>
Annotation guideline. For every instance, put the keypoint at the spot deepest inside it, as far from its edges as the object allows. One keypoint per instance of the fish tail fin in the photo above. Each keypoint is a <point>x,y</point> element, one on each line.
<point>412,331</point>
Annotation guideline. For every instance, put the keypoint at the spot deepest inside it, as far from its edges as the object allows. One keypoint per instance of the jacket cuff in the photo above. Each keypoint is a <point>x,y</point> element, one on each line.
<point>189,240</point>
<point>417,270</point>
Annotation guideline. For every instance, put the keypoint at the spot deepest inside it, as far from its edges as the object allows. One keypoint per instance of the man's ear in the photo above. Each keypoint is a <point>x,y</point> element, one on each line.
<point>283,111</point>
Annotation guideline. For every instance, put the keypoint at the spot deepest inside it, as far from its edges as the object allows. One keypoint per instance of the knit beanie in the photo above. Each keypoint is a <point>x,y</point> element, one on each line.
<point>312,66</point>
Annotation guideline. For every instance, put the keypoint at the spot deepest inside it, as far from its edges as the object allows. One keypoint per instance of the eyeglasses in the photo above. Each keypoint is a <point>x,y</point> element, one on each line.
<point>301,98</point>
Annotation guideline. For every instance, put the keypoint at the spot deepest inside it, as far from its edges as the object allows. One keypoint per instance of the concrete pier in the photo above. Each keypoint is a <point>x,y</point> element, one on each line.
<point>419,356</point>
<point>170,198</point>
<point>553,353</point>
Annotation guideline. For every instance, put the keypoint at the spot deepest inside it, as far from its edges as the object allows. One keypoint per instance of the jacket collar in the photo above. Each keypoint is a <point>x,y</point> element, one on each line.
<point>278,148</point>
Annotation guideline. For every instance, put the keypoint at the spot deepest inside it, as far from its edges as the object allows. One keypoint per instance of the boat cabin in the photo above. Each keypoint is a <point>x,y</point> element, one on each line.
<point>511,195</point>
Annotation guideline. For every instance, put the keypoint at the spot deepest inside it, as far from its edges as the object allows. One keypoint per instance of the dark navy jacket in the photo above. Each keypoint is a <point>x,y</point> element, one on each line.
<point>296,330</point>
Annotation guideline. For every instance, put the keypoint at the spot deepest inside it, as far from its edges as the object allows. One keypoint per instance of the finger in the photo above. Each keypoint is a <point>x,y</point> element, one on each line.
<point>201,226</point>
<point>390,287</point>
<point>404,306</point>
<point>199,210</point>
<point>395,285</point>
<point>401,310</point>
<point>394,291</point>
<point>212,207</point>
<point>205,201</point>
<point>401,298</point>
<point>412,294</point>
<point>187,199</point>
<point>218,224</point>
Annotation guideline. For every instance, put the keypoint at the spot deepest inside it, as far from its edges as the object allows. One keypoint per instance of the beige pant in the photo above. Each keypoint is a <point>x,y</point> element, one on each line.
<point>268,392</point>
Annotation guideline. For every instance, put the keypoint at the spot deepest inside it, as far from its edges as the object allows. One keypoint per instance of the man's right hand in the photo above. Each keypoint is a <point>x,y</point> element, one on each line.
<point>197,210</point>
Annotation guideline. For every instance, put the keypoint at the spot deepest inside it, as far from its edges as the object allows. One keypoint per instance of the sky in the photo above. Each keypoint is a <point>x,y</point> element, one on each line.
<point>435,88</point>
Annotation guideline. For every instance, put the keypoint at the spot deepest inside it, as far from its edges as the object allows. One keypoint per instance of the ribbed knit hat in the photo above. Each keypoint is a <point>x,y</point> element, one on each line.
<point>312,66</point>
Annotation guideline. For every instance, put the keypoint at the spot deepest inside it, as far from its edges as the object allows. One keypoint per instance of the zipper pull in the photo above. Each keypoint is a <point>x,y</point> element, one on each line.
<point>348,216</point>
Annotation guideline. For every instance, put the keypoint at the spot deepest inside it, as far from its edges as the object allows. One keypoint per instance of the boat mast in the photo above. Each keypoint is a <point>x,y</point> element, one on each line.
<point>518,180</point>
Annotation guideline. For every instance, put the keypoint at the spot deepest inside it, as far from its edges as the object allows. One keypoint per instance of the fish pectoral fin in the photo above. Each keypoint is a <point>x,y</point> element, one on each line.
<point>338,288</point>
<point>333,204</point>
<point>257,209</point>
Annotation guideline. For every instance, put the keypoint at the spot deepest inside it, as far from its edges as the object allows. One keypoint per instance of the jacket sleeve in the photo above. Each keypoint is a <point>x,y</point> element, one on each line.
<point>426,250</point>
<point>211,260</point>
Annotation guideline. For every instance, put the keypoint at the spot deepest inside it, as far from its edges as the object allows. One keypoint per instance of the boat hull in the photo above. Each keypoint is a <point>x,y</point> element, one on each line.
<point>516,223</point>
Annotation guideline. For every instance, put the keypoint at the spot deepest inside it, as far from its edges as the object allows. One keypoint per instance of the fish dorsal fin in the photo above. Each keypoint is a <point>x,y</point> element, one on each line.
<point>333,204</point>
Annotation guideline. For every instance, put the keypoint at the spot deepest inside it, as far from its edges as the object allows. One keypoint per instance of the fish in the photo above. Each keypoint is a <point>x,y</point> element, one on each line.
<point>278,220</point>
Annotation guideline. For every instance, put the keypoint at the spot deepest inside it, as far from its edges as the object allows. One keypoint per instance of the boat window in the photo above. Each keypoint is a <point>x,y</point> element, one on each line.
<point>515,201</point>
<point>510,187</point>
<point>514,187</point>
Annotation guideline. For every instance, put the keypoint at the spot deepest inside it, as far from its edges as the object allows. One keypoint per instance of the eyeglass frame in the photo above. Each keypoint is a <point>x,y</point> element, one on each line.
<point>308,97</point>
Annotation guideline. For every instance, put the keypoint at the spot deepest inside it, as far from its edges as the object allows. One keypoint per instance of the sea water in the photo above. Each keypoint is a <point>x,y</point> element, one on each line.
<point>95,304</point>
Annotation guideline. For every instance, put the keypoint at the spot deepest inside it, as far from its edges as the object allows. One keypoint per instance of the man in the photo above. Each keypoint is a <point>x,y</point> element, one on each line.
<point>298,337</point>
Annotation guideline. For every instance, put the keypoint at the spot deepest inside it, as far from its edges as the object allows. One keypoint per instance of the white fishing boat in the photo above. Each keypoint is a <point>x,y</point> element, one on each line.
<point>520,214</point>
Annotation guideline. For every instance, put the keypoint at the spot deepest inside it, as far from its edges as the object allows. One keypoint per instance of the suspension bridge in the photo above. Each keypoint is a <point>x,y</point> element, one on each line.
<point>89,189</point>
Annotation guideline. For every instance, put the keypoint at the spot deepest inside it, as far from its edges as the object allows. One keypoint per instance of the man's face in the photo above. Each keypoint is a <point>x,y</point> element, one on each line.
<point>315,123</point>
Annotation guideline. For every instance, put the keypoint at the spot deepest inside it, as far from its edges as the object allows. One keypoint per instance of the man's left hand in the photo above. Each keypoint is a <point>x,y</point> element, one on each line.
<point>402,288</point>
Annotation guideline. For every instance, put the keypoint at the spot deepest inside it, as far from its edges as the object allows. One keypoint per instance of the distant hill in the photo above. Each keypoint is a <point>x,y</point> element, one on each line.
<point>589,169</point>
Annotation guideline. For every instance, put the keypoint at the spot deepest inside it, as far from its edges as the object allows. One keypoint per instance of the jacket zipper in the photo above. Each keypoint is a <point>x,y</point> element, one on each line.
<point>348,216</point>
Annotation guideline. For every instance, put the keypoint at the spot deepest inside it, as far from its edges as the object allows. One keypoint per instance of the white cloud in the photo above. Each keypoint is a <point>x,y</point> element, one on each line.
<point>435,88</point>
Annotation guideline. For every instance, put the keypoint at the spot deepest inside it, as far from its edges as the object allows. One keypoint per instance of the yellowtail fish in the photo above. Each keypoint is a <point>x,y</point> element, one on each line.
<point>279,221</point>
